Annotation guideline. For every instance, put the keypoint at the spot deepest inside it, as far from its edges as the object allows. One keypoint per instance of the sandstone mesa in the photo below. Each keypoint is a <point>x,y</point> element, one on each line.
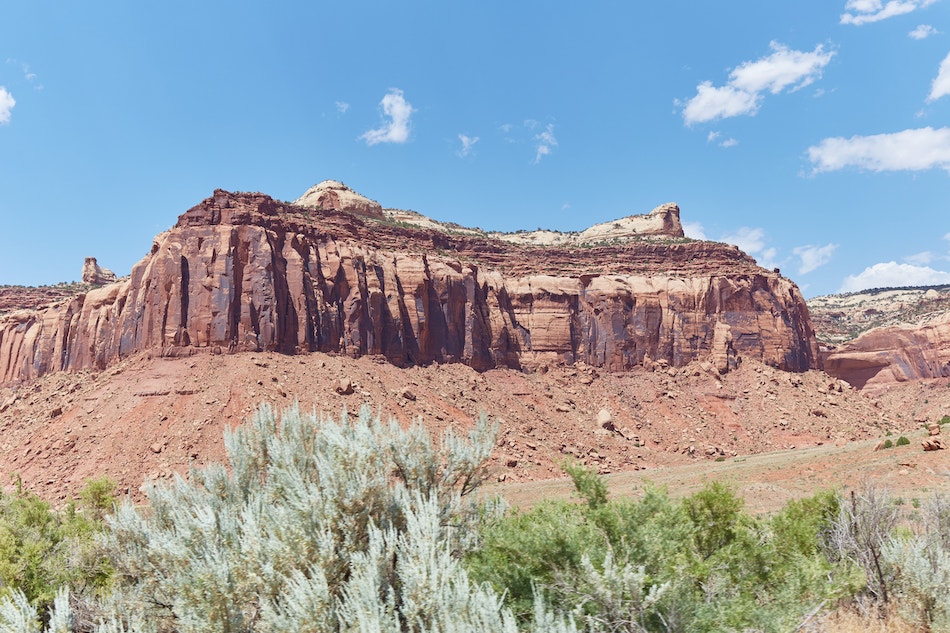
<point>334,272</point>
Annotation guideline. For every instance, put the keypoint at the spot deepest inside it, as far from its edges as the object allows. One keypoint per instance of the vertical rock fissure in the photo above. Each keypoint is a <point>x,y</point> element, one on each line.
<point>237,252</point>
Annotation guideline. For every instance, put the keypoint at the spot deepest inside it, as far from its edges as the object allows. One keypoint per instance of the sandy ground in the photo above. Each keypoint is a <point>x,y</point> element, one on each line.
<point>776,434</point>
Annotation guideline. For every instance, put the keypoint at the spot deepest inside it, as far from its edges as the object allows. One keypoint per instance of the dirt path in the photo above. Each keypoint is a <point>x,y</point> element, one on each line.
<point>767,481</point>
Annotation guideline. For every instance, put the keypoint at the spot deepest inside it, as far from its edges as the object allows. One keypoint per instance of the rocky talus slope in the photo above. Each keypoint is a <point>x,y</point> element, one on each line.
<point>244,272</point>
<point>877,338</point>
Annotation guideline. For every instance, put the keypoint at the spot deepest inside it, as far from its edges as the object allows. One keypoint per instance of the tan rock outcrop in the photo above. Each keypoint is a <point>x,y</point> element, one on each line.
<point>245,272</point>
<point>889,355</point>
<point>93,273</point>
<point>333,195</point>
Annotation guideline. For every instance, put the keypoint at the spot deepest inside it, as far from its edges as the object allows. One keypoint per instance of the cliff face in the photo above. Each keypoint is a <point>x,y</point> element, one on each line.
<point>245,272</point>
<point>888,355</point>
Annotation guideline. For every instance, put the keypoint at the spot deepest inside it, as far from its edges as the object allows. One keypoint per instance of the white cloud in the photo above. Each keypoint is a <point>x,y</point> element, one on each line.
<point>711,103</point>
<point>766,259</point>
<point>342,106</point>
<point>751,240</point>
<point>920,259</point>
<point>396,130</point>
<point>922,32</point>
<point>947,237</point>
<point>910,150</point>
<point>546,142</point>
<point>6,105</point>
<point>467,143</point>
<point>941,83</point>
<point>694,230</point>
<point>867,11</point>
<point>785,69</point>
<point>728,142</point>
<point>894,275</point>
<point>813,257</point>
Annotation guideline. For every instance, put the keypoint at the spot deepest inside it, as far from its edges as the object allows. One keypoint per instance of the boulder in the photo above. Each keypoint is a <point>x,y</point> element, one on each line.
<point>933,444</point>
<point>604,419</point>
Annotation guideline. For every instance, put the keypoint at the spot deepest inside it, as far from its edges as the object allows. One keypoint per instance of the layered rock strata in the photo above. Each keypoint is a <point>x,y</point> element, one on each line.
<point>888,355</point>
<point>245,272</point>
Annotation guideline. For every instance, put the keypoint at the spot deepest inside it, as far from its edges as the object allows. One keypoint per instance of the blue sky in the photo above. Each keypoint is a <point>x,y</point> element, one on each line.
<point>815,134</point>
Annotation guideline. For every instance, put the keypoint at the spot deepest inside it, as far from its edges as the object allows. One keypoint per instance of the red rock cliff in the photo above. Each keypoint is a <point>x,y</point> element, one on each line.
<point>245,272</point>
<point>887,355</point>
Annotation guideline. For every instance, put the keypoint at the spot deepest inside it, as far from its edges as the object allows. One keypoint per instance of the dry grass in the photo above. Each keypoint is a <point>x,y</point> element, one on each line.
<point>861,617</point>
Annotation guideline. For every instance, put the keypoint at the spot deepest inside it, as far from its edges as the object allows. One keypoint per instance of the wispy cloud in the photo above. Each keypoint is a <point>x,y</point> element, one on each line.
<point>6,105</point>
<point>783,70</point>
<point>941,83</point>
<point>860,12</point>
<point>920,259</point>
<point>716,137</point>
<point>396,129</point>
<point>894,275</point>
<point>468,142</point>
<point>925,258</point>
<point>28,73</point>
<point>910,150</point>
<point>546,142</point>
<point>694,230</point>
<point>342,106</point>
<point>922,32</point>
<point>813,257</point>
<point>752,241</point>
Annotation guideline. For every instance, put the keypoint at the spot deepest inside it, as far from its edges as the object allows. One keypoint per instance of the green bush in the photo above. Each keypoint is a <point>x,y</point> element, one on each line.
<point>945,419</point>
<point>42,550</point>
<point>699,564</point>
<point>588,485</point>
<point>888,443</point>
<point>902,441</point>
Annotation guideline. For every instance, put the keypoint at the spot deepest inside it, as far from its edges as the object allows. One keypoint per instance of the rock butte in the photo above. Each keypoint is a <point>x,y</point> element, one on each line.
<point>334,273</point>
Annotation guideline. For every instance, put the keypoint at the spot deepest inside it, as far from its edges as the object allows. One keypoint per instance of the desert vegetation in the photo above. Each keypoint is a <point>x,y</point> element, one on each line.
<point>353,524</point>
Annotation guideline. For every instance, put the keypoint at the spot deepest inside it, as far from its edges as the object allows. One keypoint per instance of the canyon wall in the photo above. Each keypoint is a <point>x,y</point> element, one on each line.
<point>245,272</point>
<point>888,355</point>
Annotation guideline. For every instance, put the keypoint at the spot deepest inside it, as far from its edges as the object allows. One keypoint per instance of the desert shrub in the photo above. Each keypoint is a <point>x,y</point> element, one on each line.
<point>525,550</point>
<point>866,519</point>
<point>921,564</point>
<point>656,564</point>
<point>316,525</point>
<point>42,550</point>
<point>888,443</point>
<point>17,615</point>
<point>902,441</point>
<point>945,419</point>
<point>588,485</point>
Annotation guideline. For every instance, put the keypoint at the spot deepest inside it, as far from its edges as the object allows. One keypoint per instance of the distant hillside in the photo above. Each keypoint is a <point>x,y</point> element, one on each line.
<point>841,318</point>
